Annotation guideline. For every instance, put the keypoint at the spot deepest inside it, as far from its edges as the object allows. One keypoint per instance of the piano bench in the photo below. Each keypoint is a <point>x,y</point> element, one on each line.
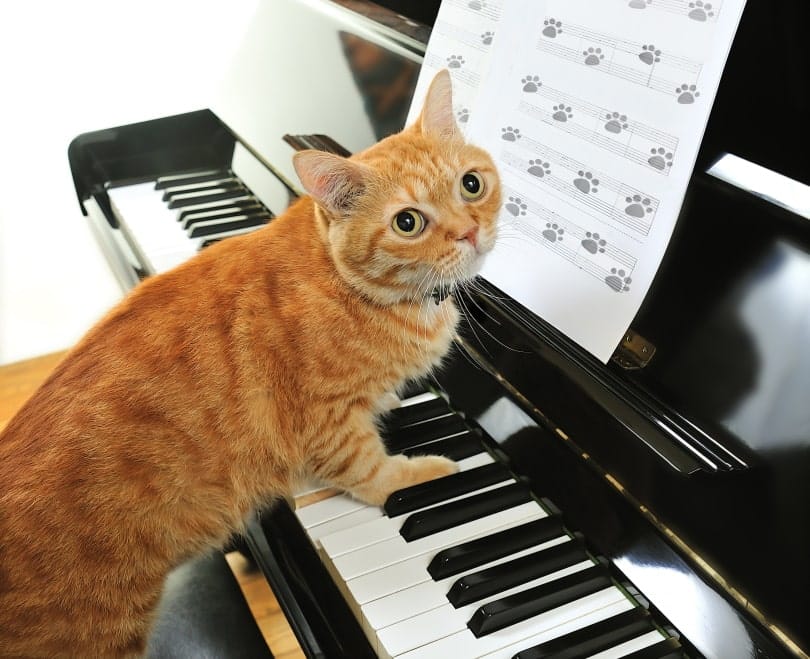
<point>203,614</point>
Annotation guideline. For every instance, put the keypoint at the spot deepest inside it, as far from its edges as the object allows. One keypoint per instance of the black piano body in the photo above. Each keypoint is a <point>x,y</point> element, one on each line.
<point>690,473</point>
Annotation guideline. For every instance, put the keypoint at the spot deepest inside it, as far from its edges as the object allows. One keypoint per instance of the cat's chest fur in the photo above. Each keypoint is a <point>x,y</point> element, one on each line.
<point>313,337</point>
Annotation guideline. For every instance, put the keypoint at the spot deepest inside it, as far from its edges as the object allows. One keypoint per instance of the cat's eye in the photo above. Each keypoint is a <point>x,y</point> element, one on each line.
<point>472,185</point>
<point>408,223</point>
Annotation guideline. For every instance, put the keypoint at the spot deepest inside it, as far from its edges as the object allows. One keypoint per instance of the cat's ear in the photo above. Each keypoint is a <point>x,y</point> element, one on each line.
<point>437,113</point>
<point>333,181</point>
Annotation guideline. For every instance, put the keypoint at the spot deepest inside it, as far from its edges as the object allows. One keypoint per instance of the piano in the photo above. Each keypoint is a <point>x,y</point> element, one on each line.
<point>656,506</point>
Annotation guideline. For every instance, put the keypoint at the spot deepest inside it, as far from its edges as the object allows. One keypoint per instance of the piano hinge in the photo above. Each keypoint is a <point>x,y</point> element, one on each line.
<point>634,351</point>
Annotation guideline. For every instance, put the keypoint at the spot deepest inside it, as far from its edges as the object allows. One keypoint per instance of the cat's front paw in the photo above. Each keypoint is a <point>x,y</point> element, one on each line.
<point>427,467</point>
<point>400,472</point>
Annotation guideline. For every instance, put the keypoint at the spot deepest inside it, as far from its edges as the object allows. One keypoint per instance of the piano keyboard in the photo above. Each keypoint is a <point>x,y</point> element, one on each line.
<point>167,220</point>
<point>473,565</point>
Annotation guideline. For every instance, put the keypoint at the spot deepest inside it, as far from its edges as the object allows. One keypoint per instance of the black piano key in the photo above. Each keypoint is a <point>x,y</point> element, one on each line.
<point>484,583</point>
<point>246,203</point>
<point>200,188</point>
<point>426,494</point>
<point>594,638</point>
<point>229,224</point>
<point>518,607</point>
<point>426,522</point>
<point>669,648</point>
<point>400,439</point>
<point>456,448</point>
<point>189,199</point>
<point>473,553</point>
<point>401,417</point>
<point>164,182</point>
<point>226,234</point>
<point>225,212</point>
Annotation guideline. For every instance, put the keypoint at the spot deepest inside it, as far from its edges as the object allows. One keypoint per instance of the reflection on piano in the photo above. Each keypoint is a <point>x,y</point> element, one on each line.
<point>647,508</point>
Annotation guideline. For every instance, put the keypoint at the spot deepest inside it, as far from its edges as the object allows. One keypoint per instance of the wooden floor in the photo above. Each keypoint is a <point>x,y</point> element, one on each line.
<point>18,381</point>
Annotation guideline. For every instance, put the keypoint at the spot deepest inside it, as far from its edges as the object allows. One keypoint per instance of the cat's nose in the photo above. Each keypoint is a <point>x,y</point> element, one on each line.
<point>471,234</point>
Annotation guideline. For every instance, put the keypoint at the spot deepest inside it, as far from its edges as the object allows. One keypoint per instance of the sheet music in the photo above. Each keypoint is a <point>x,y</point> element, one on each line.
<point>594,111</point>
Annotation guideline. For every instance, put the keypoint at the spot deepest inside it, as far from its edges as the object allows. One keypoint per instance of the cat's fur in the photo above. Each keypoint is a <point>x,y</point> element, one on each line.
<point>211,388</point>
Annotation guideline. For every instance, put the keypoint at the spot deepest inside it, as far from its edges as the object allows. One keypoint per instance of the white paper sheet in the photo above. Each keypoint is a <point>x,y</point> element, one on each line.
<point>594,111</point>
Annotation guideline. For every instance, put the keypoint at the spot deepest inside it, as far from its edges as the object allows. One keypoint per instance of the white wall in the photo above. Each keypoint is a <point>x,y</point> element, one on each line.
<point>68,68</point>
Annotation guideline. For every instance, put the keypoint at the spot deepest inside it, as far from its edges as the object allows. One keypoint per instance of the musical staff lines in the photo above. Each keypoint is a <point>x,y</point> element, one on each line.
<point>584,247</point>
<point>478,41</point>
<point>606,128</point>
<point>490,9</point>
<point>699,11</point>
<point>638,63</point>
<point>456,64</point>
<point>629,209</point>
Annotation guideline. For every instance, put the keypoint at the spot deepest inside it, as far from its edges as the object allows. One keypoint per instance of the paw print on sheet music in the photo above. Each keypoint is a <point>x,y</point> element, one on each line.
<point>553,233</point>
<point>593,56</point>
<point>487,38</point>
<point>618,280</point>
<point>552,28</point>
<point>649,54</point>
<point>531,84</point>
<point>562,112</point>
<point>586,182</point>
<point>687,94</point>
<point>660,158</point>
<point>455,61</point>
<point>539,168</point>
<point>639,4</point>
<point>463,115</point>
<point>510,134</point>
<point>638,206</point>
<point>593,243</point>
<point>476,5</point>
<point>615,122</point>
<point>700,11</point>
<point>516,206</point>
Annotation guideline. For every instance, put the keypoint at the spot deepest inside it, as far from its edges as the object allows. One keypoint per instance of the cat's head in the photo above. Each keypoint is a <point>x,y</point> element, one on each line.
<point>412,214</point>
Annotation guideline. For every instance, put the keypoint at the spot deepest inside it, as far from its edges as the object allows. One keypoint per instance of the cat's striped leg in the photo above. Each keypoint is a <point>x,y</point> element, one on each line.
<point>360,465</point>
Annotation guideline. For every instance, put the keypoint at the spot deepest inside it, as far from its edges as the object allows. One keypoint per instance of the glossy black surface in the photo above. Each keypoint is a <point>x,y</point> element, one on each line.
<point>729,316</point>
<point>473,553</point>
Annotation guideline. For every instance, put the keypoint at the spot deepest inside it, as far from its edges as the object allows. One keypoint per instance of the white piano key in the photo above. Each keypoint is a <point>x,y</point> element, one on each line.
<point>357,537</point>
<point>539,629</point>
<point>341,543</point>
<point>396,549</point>
<point>444,620</point>
<point>328,509</point>
<point>634,644</point>
<point>152,226</point>
<point>337,506</point>
<point>386,596</point>
<point>354,518</point>
<point>419,398</point>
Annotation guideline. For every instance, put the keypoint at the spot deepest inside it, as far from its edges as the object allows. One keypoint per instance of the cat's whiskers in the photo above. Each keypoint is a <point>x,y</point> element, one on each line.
<point>472,320</point>
<point>470,357</point>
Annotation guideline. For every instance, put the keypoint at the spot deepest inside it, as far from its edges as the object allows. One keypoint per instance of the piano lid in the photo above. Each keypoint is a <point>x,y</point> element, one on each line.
<point>316,67</point>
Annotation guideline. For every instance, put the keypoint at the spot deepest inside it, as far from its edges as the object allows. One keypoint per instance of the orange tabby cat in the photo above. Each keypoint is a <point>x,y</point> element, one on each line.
<point>212,388</point>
